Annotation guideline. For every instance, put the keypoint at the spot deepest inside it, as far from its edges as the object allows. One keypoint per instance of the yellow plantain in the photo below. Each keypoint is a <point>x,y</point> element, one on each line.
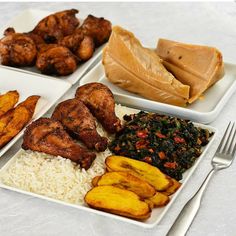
<point>141,169</point>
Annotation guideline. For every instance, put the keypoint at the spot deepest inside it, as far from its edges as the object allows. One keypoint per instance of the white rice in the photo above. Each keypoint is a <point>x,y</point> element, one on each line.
<point>56,177</point>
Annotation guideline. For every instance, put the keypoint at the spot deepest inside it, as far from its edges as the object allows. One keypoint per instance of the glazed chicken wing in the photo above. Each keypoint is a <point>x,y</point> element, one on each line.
<point>78,120</point>
<point>12,122</point>
<point>56,59</point>
<point>100,101</point>
<point>17,50</point>
<point>48,136</point>
<point>55,26</point>
<point>97,28</point>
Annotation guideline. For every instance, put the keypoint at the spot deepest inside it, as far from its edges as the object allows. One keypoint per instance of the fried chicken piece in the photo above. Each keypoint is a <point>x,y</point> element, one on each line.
<point>9,31</point>
<point>81,45</point>
<point>100,101</point>
<point>38,40</point>
<point>48,136</point>
<point>79,122</point>
<point>97,28</point>
<point>56,59</point>
<point>12,122</point>
<point>55,26</point>
<point>72,41</point>
<point>86,49</point>
<point>17,50</point>
<point>8,101</point>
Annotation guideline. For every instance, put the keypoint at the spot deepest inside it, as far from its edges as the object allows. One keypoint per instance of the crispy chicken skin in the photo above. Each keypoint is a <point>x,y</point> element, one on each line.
<point>55,26</point>
<point>100,101</point>
<point>56,59</point>
<point>79,122</point>
<point>48,136</point>
<point>13,121</point>
<point>17,50</point>
<point>97,28</point>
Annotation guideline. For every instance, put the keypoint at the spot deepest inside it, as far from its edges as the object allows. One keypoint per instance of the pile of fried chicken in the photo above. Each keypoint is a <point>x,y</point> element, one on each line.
<point>57,44</point>
<point>75,119</point>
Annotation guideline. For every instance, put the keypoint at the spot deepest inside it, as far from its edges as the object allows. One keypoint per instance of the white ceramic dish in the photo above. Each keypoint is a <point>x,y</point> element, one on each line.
<point>157,214</point>
<point>203,111</point>
<point>50,91</point>
<point>25,22</point>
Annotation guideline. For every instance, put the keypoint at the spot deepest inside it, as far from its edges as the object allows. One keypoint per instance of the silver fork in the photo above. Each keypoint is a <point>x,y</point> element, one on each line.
<point>222,159</point>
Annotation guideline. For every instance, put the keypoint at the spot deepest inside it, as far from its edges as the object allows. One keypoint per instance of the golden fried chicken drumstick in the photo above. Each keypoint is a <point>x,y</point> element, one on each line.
<point>100,101</point>
<point>48,136</point>
<point>55,26</point>
<point>17,50</point>
<point>56,59</point>
<point>79,122</point>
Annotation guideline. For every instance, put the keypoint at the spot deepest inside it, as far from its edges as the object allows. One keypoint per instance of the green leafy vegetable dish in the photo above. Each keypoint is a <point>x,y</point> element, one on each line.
<point>169,143</point>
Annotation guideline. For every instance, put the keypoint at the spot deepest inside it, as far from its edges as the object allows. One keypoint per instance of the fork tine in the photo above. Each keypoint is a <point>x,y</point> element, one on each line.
<point>230,140</point>
<point>233,148</point>
<point>223,140</point>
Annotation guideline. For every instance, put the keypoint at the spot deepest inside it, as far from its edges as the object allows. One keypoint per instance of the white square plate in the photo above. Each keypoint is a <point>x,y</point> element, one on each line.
<point>50,91</point>
<point>157,213</point>
<point>25,22</point>
<point>203,111</point>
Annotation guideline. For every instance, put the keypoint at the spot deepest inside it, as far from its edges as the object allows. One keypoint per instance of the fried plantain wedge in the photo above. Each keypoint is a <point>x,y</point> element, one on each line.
<point>95,180</point>
<point>172,189</point>
<point>141,169</point>
<point>128,181</point>
<point>8,101</point>
<point>118,201</point>
<point>12,122</point>
<point>158,200</point>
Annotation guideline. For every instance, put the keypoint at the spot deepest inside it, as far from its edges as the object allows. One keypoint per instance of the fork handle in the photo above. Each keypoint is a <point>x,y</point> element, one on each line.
<point>188,213</point>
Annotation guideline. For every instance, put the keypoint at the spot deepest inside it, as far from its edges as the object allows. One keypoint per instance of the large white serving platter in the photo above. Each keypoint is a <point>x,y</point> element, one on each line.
<point>25,22</point>
<point>157,214</point>
<point>50,91</point>
<point>204,110</point>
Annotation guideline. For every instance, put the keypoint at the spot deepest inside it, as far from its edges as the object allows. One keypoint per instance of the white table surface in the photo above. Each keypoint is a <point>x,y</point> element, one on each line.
<point>200,23</point>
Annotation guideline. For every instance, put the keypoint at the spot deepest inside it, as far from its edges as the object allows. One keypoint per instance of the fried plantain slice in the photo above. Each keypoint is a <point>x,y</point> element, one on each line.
<point>12,122</point>
<point>118,201</point>
<point>95,181</point>
<point>141,169</point>
<point>128,181</point>
<point>8,101</point>
<point>158,200</point>
<point>172,189</point>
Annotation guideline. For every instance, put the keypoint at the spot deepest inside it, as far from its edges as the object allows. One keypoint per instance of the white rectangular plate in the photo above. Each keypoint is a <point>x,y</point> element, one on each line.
<point>157,213</point>
<point>203,110</point>
<point>50,91</point>
<point>25,22</point>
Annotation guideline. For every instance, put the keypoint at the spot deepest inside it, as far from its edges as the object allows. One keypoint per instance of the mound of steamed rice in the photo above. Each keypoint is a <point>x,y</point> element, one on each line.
<point>56,177</point>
